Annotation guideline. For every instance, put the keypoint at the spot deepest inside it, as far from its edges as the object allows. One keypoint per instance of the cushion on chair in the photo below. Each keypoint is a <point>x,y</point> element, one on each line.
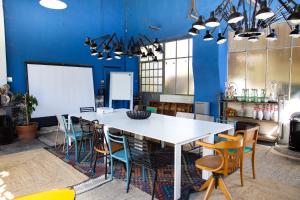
<point>120,155</point>
<point>246,150</point>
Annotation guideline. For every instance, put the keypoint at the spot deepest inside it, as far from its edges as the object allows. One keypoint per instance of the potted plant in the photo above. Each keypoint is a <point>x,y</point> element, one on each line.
<point>26,103</point>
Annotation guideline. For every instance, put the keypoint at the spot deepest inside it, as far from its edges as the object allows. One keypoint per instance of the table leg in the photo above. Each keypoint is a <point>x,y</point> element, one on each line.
<point>206,152</point>
<point>177,172</point>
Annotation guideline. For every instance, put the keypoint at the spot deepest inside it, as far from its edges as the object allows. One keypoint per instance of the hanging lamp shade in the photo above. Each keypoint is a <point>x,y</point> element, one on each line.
<point>150,53</point>
<point>295,33</point>
<point>118,50</point>
<point>94,52</point>
<point>100,56</point>
<point>108,56</point>
<point>193,31</point>
<point>87,41</point>
<point>118,57</point>
<point>294,18</point>
<point>208,36</point>
<point>159,49</point>
<point>272,36</point>
<point>235,16</point>
<point>221,39</point>
<point>265,12</point>
<point>199,24</point>
<point>212,21</point>
<point>53,4</point>
<point>253,39</point>
<point>143,55</point>
<point>156,42</point>
<point>155,59</point>
<point>93,45</point>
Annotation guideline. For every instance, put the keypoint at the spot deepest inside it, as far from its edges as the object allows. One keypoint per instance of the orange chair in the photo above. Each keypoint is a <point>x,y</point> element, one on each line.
<point>220,164</point>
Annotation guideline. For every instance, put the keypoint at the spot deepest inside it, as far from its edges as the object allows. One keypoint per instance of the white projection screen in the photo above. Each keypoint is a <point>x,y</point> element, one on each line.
<point>60,89</point>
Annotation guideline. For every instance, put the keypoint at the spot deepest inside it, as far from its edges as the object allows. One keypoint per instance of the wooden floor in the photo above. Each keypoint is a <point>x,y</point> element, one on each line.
<point>34,171</point>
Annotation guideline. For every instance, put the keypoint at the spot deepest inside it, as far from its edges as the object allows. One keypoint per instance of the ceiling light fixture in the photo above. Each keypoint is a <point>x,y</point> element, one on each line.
<point>94,52</point>
<point>212,21</point>
<point>100,56</point>
<point>53,4</point>
<point>208,36</point>
<point>272,36</point>
<point>199,24</point>
<point>294,18</point>
<point>265,12</point>
<point>193,31</point>
<point>108,57</point>
<point>296,32</point>
<point>253,39</point>
<point>221,39</point>
<point>235,16</point>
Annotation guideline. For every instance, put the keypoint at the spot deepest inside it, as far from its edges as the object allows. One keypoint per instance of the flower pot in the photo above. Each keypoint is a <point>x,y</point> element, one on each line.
<point>27,132</point>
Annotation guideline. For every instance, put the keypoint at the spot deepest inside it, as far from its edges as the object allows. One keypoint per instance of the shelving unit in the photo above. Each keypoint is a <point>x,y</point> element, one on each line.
<point>269,129</point>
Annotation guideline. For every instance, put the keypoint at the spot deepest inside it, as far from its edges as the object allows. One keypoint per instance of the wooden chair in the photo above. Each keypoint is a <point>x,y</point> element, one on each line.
<point>100,146</point>
<point>220,164</point>
<point>249,147</point>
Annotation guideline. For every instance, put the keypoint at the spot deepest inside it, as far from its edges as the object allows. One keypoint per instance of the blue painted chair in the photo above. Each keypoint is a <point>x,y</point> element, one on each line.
<point>151,109</point>
<point>121,155</point>
<point>72,136</point>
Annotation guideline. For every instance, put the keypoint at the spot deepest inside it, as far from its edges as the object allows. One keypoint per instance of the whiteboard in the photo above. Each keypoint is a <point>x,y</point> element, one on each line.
<point>60,89</point>
<point>121,87</point>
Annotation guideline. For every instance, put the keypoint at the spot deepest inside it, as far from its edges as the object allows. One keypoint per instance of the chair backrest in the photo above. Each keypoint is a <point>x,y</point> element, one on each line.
<point>249,135</point>
<point>86,126</point>
<point>99,139</point>
<point>68,125</point>
<point>87,109</point>
<point>151,109</point>
<point>185,115</point>
<point>139,152</point>
<point>119,140</point>
<point>205,117</point>
<point>61,123</point>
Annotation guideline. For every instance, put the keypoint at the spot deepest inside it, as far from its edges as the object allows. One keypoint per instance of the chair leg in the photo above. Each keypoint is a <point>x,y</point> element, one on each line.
<point>105,163</point>
<point>56,136</point>
<point>253,164</point>
<point>154,183</point>
<point>67,149</point>
<point>128,169</point>
<point>76,152</point>
<point>205,185</point>
<point>95,162</point>
<point>224,188</point>
<point>210,189</point>
<point>129,180</point>
<point>242,171</point>
<point>143,173</point>
<point>111,168</point>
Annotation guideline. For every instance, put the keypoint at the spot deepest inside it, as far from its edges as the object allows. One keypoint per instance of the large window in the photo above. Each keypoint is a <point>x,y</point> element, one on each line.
<point>173,73</point>
<point>259,65</point>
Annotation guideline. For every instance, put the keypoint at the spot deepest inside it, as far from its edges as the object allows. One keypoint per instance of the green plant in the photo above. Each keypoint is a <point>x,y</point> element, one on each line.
<point>27,104</point>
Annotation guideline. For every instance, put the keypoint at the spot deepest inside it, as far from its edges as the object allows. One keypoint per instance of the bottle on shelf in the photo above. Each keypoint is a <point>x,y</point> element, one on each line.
<point>260,114</point>
<point>254,113</point>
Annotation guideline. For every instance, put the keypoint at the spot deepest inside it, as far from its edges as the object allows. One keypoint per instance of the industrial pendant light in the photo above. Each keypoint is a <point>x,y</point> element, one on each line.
<point>208,36</point>
<point>118,50</point>
<point>94,52</point>
<point>150,53</point>
<point>87,41</point>
<point>272,36</point>
<point>221,39</point>
<point>106,48</point>
<point>108,57</point>
<point>156,42</point>
<point>199,24</point>
<point>235,16</point>
<point>159,49</point>
<point>253,39</point>
<point>53,4</point>
<point>193,31</point>
<point>294,18</point>
<point>155,59</point>
<point>100,56</point>
<point>212,21</point>
<point>143,55</point>
<point>118,57</point>
<point>93,45</point>
<point>265,12</point>
<point>295,33</point>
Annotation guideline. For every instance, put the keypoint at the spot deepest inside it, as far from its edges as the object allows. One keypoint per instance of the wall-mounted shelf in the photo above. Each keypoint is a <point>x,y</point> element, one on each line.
<point>247,102</point>
<point>240,118</point>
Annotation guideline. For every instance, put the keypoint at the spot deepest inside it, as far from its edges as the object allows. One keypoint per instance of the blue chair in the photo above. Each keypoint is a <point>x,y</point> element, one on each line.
<point>121,155</point>
<point>73,136</point>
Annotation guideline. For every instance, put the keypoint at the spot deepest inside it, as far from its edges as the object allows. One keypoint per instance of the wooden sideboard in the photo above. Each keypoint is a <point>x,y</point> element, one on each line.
<point>168,108</point>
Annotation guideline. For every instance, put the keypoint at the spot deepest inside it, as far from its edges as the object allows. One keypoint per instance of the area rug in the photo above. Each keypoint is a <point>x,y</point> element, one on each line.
<point>165,181</point>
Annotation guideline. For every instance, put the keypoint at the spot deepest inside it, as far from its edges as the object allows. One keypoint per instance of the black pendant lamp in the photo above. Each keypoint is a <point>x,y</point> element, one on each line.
<point>295,33</point>
<point>272,36</point>
<point>93,45</point>
<point>235,16</point>
<point>156,42</point>
<point>265,12</point>
<point>94,52</point>
<point>193,31</point>
<point>100,56</point>
<point>118,57</point>
<point>143,55</point>
<point>253,38</point>
<point>159,49</point>
<point>212,21</point>
<point>118,50</point>
<point>199,24</point>
<point>108,57</point>
<point>106,48</point>
<point>208,36</point>
<point>221,39</point>
<point>294,18</point>
<point>155,59</point>
<point>87,41</point>
<point>150,53</point>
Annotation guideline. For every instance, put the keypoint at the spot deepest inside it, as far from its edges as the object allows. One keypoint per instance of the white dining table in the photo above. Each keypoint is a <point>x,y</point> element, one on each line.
<point>174,130</point>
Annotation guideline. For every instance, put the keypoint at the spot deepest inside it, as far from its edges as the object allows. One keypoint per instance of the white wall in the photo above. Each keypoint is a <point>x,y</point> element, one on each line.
<point>3,73</point>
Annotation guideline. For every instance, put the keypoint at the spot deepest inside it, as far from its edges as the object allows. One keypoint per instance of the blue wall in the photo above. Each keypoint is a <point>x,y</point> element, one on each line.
<point>209,61</point>
<point>35,33</point>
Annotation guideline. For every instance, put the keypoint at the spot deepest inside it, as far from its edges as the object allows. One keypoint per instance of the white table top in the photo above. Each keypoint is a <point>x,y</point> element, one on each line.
<point>161,127</point>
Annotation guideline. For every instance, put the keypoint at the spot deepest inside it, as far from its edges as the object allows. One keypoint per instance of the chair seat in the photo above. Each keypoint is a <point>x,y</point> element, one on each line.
<point>78,135</point>
<point>115,147</point>
<point>120,155</point>
<point>211,162</point>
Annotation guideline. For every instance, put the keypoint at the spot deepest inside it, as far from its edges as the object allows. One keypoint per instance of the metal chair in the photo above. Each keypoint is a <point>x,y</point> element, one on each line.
<point>100,146</point>
<point>121,155</point>
<point>220,164</point>
<point>141,156</point>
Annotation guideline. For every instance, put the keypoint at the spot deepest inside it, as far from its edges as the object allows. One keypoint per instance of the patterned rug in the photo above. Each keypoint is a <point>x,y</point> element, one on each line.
<point>165,180</point>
